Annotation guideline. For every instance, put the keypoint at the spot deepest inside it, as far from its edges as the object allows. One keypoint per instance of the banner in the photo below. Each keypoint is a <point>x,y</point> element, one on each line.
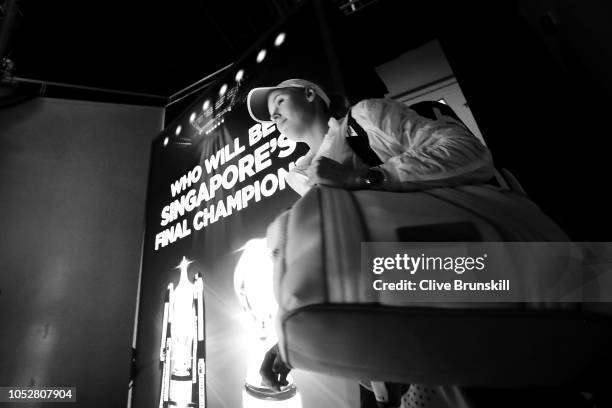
<point>217,180</point>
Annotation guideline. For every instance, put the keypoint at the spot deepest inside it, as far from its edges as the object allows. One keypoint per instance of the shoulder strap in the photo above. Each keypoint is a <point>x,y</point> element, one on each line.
<point>360,143</point>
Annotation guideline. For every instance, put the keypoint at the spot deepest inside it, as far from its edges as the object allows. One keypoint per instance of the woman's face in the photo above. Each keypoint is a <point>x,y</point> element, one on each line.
<point>291,111</point>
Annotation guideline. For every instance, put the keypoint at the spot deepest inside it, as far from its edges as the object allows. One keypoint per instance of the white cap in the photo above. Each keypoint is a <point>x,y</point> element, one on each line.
<point>257,100</point>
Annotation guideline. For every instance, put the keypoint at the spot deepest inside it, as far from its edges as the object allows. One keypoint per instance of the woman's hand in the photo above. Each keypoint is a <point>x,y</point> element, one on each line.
<point>273,370</point>
<point>331,173</point>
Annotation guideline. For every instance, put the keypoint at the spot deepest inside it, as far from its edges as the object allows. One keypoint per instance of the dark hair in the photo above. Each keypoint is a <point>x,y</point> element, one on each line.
<point>338,106</point>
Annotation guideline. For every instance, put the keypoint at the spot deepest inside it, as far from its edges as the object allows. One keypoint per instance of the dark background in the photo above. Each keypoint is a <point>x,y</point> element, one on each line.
<point>161,48</point>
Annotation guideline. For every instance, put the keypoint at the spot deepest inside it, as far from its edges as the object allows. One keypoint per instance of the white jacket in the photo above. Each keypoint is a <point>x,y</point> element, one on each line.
<point>417,153</point>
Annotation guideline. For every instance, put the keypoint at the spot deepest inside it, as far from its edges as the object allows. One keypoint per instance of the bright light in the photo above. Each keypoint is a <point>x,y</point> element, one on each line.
<point>279,39</point>
<point>442,101</point>
<point>239,75</point>
<point>253,285</point>
<point>178,130</point>
<point>184,264</point>
<point>223,90</point>
<point>261,55</point>
<point>206,105</point>
<point>192,117</point>
<point>166,140</point>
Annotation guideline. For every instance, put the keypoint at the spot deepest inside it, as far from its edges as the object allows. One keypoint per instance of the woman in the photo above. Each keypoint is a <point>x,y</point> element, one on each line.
<point>413,152</point>
<point>399,151</point>
<point>380,144</point>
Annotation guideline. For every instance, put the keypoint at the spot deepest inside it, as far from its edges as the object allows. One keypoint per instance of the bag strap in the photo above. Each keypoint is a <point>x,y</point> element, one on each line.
<point>361,143</point>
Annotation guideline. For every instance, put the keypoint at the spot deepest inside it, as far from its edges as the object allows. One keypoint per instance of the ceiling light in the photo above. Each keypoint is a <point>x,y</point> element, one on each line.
<point>223,90</point>
<point>239,75</point>
<point>279,39</point>
<point>178,130</point>
<point>261,55</point>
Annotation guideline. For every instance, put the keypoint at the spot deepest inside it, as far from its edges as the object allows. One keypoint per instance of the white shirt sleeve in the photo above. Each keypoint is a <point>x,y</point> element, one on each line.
<point>418,152</point>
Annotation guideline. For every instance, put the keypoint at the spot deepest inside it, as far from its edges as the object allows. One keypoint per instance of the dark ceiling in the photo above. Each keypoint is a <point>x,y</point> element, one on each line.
<point>161,47</point>
<point>151,47</point>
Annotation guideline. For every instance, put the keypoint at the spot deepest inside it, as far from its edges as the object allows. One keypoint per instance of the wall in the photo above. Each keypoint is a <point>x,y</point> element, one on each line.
<point>415,68</point>
<point>73,182</point>
<point>423,74</point>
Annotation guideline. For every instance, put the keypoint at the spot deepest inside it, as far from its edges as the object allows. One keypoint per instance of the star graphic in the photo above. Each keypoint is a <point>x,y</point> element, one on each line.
<point>184,264</point>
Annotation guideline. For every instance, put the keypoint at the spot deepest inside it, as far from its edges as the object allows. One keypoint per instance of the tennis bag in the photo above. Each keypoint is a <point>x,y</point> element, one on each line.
<point>330,321</point>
